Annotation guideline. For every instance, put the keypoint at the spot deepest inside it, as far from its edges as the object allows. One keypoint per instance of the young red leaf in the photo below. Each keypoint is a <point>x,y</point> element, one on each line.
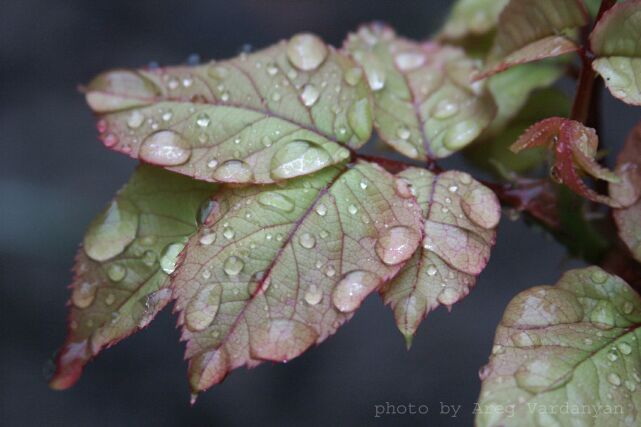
<point>574,147</point>
<point>284,111</point>
<point>285,265</point>
<point>533,30</point>
<point>425,103</point>
<point>615,42</point>
<point>460,217</point>
<point>120,276</point>
<point>628,193</point>
<point>574,345</point>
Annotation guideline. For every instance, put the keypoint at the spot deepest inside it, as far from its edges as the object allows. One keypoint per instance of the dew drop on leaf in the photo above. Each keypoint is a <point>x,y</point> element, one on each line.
<point>614,379</point>
<point>408,61</point>
<point>352,289</point>
<point>276,201</point>
<point>202,308</point>
<point>403,132</point>
<point>169,257</point>
<point>310,95</point>
<point>116,272</point>
<point>360,118</point>
<point>353,76</point>
<point>112,231</point>
<point>397,244</point>
<point>203,120</point>
<point>84,294</point>
<point>233,171</point>
<point>321,209</point>
<point>233,265</point>
<point>135,120</point>
<point>298,158</point>
<point>207,238</point>
<point>306,51</point>
<point>307,240</point>
<point>445,109</point>
<point>165,148</point>
<point>313,295</point>
<point>625,348</point>
<point>461,134</point>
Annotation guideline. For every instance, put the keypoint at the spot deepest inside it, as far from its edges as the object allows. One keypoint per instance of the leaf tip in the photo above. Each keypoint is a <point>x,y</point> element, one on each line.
<point>409,339</point>
<point>69,365</point>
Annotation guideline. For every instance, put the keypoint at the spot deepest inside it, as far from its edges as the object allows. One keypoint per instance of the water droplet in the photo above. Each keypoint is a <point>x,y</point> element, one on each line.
<point>202,308</point>
<point>352,289</point>
<point>403,132</point>
<point>306,51</point>
<point>445,109</point>
<point>402,188</point>
<point>360,118</point>
<point>276,201</point>
<point>374,69</point>
<point>363,184</point>
<point>271,69</point>
<point>110,299</point>
<point>461,134</point>
<point>135,120</point>
<point>431,270</point>
<point>484,372</point>
<point>453,188</point>
<point>167,116</point>
<point>353,76</point>
<point>466,178</point>
<point>627,307</point>
<point>330,271</point>
<point>207,238</point>
<point>203,120</point>
<point>321,209</point>
<point>313,295</point>
<point>397,244</point>
<point>625,348</point>
<point>310,95</point>
<point>233,171</point>
<point>409,61</point>
<point>112,231</point>
<point>307,240</point>
<point>84,294</point>
<point>599,276</point>
<point>267,141</point>
<point>602,315</point>
<point>233,265</point>
<point>165,148</point>
<point>149,258</point>
<point>229,233</point>
<point>116,272</point>
<point>614,379</point>
<point>298,158</point>
<point>352,209</point>
<point>525,339</point>
<point>169,257</point>
<point>276,96</point>
<point>323,234</point>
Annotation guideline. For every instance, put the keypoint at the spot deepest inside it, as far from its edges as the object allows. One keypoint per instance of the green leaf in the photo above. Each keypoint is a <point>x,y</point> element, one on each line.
<point>615,42</point>
<point>575,345</point>
<point>284,111</point>
<point>472,18</point>
<point>425,103</point>
<point>119,285</point>
<point>628,193</point>
<point>533,30</point>
<point>460,217</point>
<point>285,265</point>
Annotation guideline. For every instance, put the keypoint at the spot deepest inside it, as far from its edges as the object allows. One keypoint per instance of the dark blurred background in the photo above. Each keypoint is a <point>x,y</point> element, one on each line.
<point>55,176</point>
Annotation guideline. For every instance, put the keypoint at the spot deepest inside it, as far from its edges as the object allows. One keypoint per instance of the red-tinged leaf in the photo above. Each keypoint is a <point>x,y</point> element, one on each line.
<point>425,104</point>
<point>120,276</point>
<point>628,193</point>
<point>574,345</point>
<point>287,264</point>
<point>615,42</point>
<point>284,111</point>
<point>574,147</point>
<point>533,30</point>
<point>460,217</point>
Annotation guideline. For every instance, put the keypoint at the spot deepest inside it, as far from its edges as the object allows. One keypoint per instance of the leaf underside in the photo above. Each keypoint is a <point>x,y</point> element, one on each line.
<point>425,104</point>
<point>616,43</point>
<point>577,343</point>
<point>460,217</point>
<point>285,265</point>
<point>281,112</point>
<point>533,30</point>
<point>119,285</point>
<point>628,193</point>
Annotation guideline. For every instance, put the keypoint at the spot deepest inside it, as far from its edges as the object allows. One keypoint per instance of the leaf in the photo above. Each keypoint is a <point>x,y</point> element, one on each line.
<point>460,217</point>
<point>533,30</point>
<point>574,147</point>
<point>615,42</point>
<point>289,264</point>
<point>425,104</point>
<point>628,193</point>
<point>120,279</point>
<point>470,18</point>
<point>575,345</point>
<point>284,111</point>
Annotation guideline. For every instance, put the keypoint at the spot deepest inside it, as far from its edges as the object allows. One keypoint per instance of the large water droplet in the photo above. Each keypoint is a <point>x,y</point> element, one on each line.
<point>233,265</point>
<point>625,348</point>
<point>306,51</point>
<point>112,231</point>
<point>461,134</point>
<point>409,61</point>
<point>165,148</point>
<point>298,158</point>
<point>276,201</point>
<point>84,294</point>
<point>119,89</point>
<point>207,238</point>
<point>307,240</point>
<point>352,289</point>
<point>310,95</point>
<point>359,116</point>
<point>445,109</point>
<point>202,308</point>
<point>169,257</point>
<point>374,69</point>
<point>313,295</point>
<point>538,375</point>
<point>397,244</point>
<point>135,120</point>
<point>614,379</point>
<point>233,171</point>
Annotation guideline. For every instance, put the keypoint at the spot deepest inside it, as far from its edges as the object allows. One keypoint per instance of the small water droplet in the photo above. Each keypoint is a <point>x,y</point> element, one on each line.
<point>165,148</point>
<point>306,51</point>
<point>310,95</point>
<point>599,276</point>
<point>330,271</point>
<point>363,184</point>
<point>233,171</point>
<point>307,240</point>
<point>233,265</point>
<point>445,109</point>
<point>352,209</point>
<point>431,270</point>
<point>627,307</point>
<point>207,238</point>
<point>614,379</point>
<point>229,233</point>
<point>625,348</point>
<point>169,257</point>
<point>84,294</point>
<point>110,299</point>
<point>203,120</point>
<point>352,289</point>
<point>313,295</point>
<point>453,188</point>
<point>135,120</point>
<point>321,209</point>
<point>116,272</point>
